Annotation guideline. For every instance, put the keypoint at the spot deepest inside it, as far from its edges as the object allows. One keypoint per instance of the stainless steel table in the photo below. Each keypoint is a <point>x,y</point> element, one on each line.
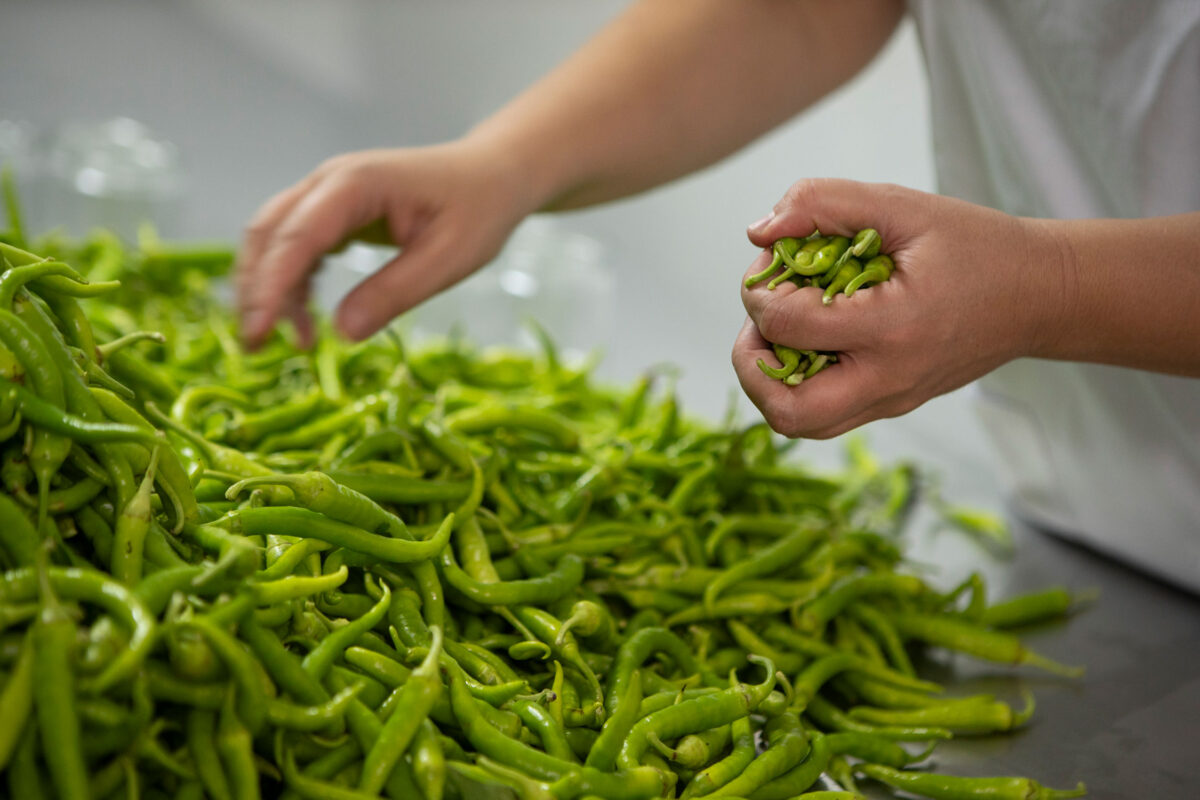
<point>1131,727</point>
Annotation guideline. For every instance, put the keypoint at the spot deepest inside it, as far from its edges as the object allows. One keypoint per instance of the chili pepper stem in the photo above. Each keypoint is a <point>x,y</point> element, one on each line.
<point>758,277</point>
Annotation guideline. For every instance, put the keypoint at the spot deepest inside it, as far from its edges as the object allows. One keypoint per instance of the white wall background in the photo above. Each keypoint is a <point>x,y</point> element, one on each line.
<point>254,94</point>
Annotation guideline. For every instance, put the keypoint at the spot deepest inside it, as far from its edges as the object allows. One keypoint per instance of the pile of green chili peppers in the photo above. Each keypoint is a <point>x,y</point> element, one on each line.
<point>839,265</point>
<point>365,570</point>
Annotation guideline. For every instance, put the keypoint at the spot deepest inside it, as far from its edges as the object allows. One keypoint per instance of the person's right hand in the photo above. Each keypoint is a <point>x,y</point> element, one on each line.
<point>448,207</point>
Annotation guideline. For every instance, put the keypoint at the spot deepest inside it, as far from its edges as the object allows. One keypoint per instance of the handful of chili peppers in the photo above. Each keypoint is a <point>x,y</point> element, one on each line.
<point>837,264</point>
<point>369,570</point>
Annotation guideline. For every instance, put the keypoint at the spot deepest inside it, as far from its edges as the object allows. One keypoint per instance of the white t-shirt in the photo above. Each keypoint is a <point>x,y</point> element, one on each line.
<point>1081,109</point>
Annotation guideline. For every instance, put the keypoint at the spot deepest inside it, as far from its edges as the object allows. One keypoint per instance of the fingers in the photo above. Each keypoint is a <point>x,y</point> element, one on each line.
<point>796,317</point>
<point>439,257</point>
<point>289,236</point>
<point>296,309</point>
<point>258,233</point>
<point>836,400</point>
<point>431,263</point>
<point>843,207</point>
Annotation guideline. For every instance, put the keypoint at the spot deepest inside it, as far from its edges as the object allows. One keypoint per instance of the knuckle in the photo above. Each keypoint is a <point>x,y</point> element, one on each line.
<point>290,236</point>
<point>825,434</point>
<point>834,430</point>
<point>335,164</point>
<point>776,320</point>
<point>338,184</point>
<point>258,229</point>
<point>801,193</point>
<point>351,173</point>
<point>830,424</point>
<point>784,418</point>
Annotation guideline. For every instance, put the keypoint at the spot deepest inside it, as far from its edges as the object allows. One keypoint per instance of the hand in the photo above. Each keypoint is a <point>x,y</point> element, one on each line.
<point>973,288</point>
<point>449,208</point>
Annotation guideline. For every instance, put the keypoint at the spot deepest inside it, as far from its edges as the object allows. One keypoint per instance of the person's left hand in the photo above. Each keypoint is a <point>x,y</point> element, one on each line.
<point>973,288</point>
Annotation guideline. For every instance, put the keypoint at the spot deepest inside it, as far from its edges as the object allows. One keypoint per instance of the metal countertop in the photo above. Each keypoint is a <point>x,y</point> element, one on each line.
<point>1130,728</point>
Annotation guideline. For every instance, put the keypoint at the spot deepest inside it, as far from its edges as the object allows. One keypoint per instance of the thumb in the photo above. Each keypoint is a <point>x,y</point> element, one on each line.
<point>417,273</point>
<point>436,259</point>
<point>840,207</point>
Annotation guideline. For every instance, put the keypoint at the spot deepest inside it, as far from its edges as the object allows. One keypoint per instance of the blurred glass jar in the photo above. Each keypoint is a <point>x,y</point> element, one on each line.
<point>557,277</point>
<point>19,153</point>
<point>116,174</point>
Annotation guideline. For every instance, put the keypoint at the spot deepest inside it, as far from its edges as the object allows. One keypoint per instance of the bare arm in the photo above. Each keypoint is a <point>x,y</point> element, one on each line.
<point>1131,293</point>
<point>669,87</point>
<point>672,86</point>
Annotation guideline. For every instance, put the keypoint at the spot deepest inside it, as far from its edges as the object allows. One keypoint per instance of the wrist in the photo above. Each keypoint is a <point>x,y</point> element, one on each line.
<point>1050,300</point>
<point>522,168</point>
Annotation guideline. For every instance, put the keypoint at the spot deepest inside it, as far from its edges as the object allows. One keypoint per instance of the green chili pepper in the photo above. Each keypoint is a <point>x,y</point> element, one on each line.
<point>831,718</point>
<point>946,787</point>
<point>559,432</point>
<point>14,278</point>
<point>698,750</point>
<point>966,638</point>
<point>873,749</point>
<point>773,558</point>
<point>789,360</point>
<point>51,638</point>
<point>866,244</point>
<point>566,575</point>
<point>822,261</point>
<point>740,605</point>
<point>787,244</point>
<point>817,613</point>
<point>1033,607</point>
<point>845,274</point>
<point>429,762</point>
<point>622,716</point>
<point>415,701</point>
<point>132,525</point>
<point>788,747</point>
<point>549,731</point>
<point>18,537</point>
<point>800,777</point>
<point>250,694</point>
<point>718,775</point>
<point>234,744</point>
<point>16,701</point>
<point>970,716</point>
<point>490,741</point>
<point>283,714</point>
<point>318,662</point>
<point>284,667</point>
<point>299,521</point>
<point>201,742</point>
<point>699,714</point>
<point>49,448</point>
<point>877,270</point>
<point>634,651</point>
<point>318,430</point>
<point>76,584</point>
<point>590,621</point>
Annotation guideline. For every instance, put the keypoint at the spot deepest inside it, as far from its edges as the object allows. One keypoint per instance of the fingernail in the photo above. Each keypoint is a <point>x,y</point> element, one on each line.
<point>762,223</point>
<point>252,322</point>
<point>355,327</point>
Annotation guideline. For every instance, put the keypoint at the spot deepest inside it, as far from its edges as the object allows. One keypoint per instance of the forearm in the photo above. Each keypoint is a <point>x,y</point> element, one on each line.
<point>1130,293</point>
<point>672,86</point>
